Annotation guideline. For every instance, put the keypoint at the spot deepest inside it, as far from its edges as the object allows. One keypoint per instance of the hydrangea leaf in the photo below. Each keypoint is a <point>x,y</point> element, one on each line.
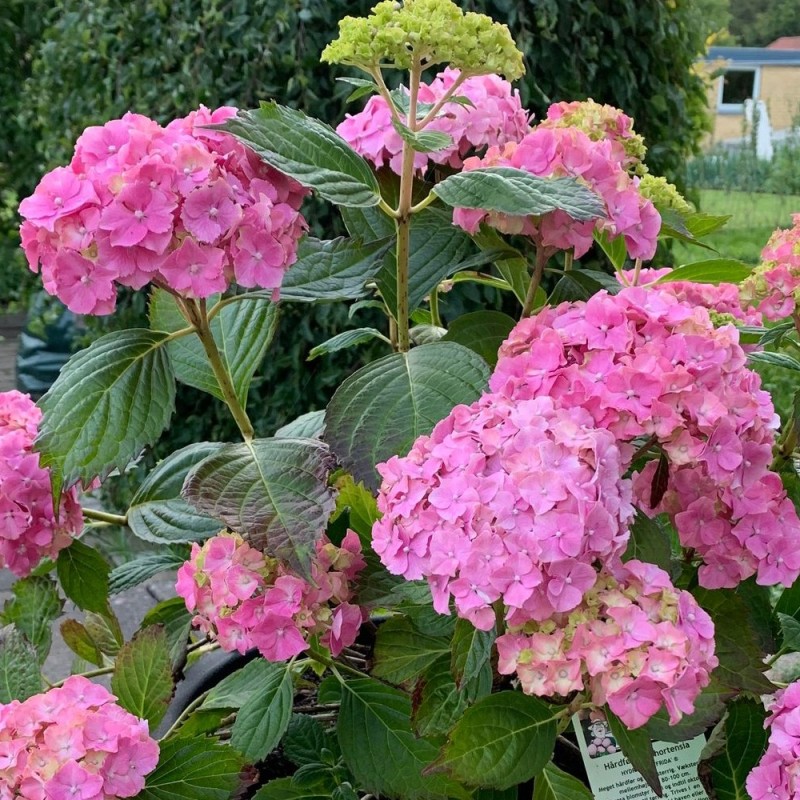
<point>32,609</point>
<point>402,653</point>
<point>380,748</point>
<point>242,331</point>
<point>504,739</point>
<point>264,716</point>
<point>482,332</point>
<point>83,575</point>
<point>514,191</point>
<point>193,769</point>
<point>380,410</point>
<point>272,491</point>
<point>157,512</point>
<point>142,679</point>
<point>555,784</point>
<point>307,150</point>
<point>109,401</point>
<point>19,666</point>
<point>733,750</point>
<point>637,746</point>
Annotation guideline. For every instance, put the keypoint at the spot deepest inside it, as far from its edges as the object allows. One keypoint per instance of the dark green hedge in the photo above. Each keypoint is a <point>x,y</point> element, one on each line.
<point>91,60</point>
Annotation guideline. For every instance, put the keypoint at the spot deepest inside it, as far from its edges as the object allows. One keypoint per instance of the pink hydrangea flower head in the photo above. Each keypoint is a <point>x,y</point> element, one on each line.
<point>181,206</point>
<point>29,528</point>
<point>492,115</point>
<point>777,774</point>
<point>634,642</point>
<point>74,743</point>
<point>774,286</point>
<point>556,151</point>
<point>245,600</point>
<point>648,362</point>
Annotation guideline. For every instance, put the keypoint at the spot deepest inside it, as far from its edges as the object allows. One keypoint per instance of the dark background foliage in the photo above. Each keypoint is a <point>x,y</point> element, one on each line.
<point>72,63</point>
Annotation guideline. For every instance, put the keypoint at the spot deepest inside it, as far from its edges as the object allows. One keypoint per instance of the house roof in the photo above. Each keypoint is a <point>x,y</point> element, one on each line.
<point>755,56</point>
<point>785,43</point>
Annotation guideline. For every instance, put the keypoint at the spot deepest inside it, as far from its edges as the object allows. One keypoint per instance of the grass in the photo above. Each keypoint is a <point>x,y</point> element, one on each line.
<point>755,215</point>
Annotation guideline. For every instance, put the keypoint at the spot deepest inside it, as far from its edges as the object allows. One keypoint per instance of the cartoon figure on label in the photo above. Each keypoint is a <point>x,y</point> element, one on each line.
<point>599,740</point>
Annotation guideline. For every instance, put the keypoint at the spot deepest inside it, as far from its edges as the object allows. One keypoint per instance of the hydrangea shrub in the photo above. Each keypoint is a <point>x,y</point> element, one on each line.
<point>590,508</point>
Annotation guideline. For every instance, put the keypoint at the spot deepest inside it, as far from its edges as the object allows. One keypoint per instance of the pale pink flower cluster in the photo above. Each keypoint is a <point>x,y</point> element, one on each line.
<point>494,117</point>
<point>73,743</point>
<point>774,286</point>
<point>181,205</point>
<point>600,122</point>
<point>645,364</point>
<point>777,774</point>
<point>635,642</point>
<point>505,500</point>
<point>555,152</point>
<point>29,530</point>
<point>245,600</point>
<point>720,298</point>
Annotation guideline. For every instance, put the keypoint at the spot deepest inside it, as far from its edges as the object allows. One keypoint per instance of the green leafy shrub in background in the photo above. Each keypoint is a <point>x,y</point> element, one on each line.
<point>96,59</point>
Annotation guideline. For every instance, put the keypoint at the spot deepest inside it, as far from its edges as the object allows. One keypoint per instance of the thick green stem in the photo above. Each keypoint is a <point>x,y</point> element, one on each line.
<point>193,706</point>
<point>403,222</point>
<point>434,302</point>
<point>431,115</point>
<point>104,516</point>
<point>569,260</point>
<point>637,268</point>
<point>197,315</point>
<point>542,255</point>
<point>95,673</point>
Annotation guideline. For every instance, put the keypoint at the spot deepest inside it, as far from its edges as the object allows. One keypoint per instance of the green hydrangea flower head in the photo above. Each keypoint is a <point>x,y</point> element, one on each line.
<point>427,32</point>
<point>663,194</point>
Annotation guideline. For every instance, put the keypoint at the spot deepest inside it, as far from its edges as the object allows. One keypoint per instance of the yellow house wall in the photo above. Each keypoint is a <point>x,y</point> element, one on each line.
<point>780,90</point>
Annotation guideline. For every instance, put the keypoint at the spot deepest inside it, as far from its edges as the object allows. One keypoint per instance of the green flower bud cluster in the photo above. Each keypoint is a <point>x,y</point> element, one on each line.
<point>663,194</point>
<point>719,318</point>
<point>426,32</point>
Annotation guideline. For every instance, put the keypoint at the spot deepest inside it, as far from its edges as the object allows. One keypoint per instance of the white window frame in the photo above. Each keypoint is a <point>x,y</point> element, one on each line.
<point>738,108</point>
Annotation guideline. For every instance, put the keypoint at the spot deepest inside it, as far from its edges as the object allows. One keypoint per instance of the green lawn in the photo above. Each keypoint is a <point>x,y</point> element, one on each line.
<point>755,216</point>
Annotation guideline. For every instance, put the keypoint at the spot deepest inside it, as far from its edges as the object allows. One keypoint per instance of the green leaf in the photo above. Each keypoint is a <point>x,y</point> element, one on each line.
<point>105,631</point>
<point>79,640</point>
<point>337,269</point>
<point>142,679</point>
<point>637,747</point>
<point>789,601</point>
<point>158,513</point>
<point>379,746</point>
<point>614,249</point>
<point>361,506</point>
<point>19,666</point>
<point>402,653</point>
<point>193,769</point>
<point>774,359</point>
<point>512,266</point>
<point>242,331</point>
<point>272,491</point>
<point>34,606</point>
<point>381,409</point>
<point>504,739</point>
<point>437,249</point>
<point>438,702</point>
<point>714,270</point>
<point>422,141</point>
<point>176,620</point>
<point>741,665</point>
<point>241,686</point>
<point>305,740</point>
<point>362,88</point>
<point>138,570</point>
<point>307,426</point>
<point>482,332</point>
<point>308,151</point>
<point>555,784</point>
<point>689,228</point>
<point>108,402</point>
<point>344,340</point>
<point>83,575</point>
<point>739,746</point>
<point>581,284</point>
<point>649,542</point>
<point>514,191</point>
<point>287,789</point>
<point>790,629</point>
<point>471,650</point>
<point>264,716</point>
